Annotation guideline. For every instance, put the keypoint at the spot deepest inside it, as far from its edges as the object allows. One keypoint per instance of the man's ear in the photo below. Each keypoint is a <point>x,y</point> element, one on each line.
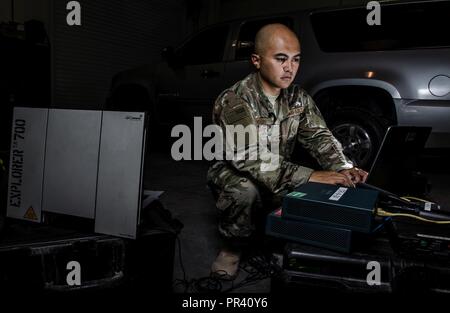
<point>256,60</point>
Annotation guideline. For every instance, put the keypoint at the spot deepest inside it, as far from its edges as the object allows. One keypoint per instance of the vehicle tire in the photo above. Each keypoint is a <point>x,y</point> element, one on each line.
<point>360,132</point>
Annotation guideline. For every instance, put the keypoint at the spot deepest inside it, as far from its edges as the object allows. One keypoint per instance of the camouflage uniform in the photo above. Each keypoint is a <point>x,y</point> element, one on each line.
<point>239,185</point>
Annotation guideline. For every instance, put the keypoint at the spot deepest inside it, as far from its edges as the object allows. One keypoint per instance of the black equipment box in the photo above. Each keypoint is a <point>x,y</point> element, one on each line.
<point>36,256</point>
<point>315,269</point>
<point>421,240</point>
<point>350,208</point>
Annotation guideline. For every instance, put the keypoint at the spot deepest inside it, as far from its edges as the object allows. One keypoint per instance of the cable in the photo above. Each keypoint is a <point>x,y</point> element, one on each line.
<point>408,198</point>
<point>184,282</point>
<point>258,267</point>
<point>392,196</point>
<point>381,212</point>
<point>181,258</point>
<point>207,284</point>
<point>404,201</point>
<point>203,284</point>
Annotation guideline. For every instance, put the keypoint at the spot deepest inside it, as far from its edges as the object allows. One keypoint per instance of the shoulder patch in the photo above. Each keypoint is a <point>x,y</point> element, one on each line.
<point>238,115</point>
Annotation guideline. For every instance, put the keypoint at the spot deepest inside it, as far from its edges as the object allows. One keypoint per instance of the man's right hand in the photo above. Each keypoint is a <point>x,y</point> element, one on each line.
<point>330,177</point>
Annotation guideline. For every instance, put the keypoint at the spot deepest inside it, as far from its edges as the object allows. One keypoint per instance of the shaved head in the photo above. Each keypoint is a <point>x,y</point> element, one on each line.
<point>270,34</point>
<point>276,57</point>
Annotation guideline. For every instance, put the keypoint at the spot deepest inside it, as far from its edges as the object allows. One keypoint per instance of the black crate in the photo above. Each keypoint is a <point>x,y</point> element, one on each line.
<point>320,270</point>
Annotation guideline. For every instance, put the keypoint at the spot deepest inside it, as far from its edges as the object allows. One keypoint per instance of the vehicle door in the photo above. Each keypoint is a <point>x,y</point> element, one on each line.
<point>189,86</point>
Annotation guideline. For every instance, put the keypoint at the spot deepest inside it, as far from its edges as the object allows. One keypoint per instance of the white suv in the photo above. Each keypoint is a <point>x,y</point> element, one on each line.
<point>363,78</point>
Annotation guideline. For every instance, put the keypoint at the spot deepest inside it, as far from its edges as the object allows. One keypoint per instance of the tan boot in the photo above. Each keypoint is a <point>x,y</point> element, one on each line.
<point>226,265</point>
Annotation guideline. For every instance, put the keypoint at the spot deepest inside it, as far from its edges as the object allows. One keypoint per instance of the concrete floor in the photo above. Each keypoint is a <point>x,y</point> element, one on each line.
<point>188,198</point>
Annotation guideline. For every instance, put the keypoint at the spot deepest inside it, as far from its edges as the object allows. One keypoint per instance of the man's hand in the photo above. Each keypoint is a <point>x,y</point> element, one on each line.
<point>330,177</point>
<point>355,174</point>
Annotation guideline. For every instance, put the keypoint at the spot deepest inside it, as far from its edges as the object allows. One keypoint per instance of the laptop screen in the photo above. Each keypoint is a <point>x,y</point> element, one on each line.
<point>398,157</point>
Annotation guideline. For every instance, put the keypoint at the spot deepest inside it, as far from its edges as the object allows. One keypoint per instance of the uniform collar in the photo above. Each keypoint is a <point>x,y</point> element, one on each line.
<point>283,98</point>
<point>256,80</point>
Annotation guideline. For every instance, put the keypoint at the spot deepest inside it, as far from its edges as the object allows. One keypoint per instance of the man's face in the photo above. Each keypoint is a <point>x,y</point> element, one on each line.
<point>278,63</point>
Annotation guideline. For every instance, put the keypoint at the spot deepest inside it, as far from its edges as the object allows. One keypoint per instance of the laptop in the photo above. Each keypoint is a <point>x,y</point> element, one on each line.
<point>397,158</point>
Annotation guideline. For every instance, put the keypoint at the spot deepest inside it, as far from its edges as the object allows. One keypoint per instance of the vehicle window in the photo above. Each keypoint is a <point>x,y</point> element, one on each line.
<point>245,43</point>
<point>415,25</point>
<point>206,47</point>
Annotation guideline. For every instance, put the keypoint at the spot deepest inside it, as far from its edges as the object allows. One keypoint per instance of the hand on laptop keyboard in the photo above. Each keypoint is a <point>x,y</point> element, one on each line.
<point>330,177</point>
<point>355,174</point>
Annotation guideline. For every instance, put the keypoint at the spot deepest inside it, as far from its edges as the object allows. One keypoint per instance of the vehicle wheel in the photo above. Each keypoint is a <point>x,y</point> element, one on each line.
<point>360,132</point>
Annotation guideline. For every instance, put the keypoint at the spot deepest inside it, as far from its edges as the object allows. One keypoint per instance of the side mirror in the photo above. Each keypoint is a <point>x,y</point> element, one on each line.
<point>244,49</point>
<point>245,44</point>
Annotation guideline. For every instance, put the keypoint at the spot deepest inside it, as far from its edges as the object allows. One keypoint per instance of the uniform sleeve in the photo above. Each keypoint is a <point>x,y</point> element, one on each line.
<point>314,135</point>
<point>267,168</point>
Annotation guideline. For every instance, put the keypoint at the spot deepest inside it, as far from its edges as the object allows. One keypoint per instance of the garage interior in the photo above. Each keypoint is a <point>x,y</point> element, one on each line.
<point>72,67</point>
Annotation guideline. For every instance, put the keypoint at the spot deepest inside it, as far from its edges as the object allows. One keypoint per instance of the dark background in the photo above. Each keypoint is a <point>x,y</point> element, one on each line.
<point>79,62</point>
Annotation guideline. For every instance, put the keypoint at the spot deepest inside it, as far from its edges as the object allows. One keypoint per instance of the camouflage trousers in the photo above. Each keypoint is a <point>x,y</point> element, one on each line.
<point>242,205</point>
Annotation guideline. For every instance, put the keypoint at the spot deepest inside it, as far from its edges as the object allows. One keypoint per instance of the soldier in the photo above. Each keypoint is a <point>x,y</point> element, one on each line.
<point>267,98</point>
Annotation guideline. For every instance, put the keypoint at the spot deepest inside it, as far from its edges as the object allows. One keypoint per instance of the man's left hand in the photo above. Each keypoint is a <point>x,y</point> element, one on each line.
<point>356,175</point>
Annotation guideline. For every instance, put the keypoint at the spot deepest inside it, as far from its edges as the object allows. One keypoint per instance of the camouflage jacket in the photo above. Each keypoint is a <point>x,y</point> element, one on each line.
<point>298,120</point>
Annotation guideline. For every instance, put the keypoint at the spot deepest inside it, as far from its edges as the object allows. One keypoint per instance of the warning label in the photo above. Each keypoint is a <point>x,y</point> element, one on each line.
<point>30,214</point>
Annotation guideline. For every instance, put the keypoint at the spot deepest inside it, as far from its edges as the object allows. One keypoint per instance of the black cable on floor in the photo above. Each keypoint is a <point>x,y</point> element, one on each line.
<point>257,267</point>
<point>181,258</point>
